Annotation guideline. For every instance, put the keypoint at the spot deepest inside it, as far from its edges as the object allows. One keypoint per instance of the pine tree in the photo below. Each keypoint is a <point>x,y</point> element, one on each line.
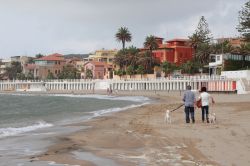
<point>203,31</point>
<point>200,41</point>
<point>244,21</point>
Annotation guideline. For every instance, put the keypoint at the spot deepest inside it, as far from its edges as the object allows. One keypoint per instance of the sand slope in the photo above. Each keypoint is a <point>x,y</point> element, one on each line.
<point>140,137</point>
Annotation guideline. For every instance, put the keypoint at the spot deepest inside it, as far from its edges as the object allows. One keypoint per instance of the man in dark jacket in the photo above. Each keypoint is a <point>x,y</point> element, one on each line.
<point>189,100</point>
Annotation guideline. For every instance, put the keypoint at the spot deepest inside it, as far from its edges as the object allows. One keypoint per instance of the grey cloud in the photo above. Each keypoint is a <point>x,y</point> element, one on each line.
<point>46,26</point>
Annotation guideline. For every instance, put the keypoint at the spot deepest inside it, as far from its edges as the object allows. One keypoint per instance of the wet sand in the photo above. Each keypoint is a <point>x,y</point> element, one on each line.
<point>140,137</point>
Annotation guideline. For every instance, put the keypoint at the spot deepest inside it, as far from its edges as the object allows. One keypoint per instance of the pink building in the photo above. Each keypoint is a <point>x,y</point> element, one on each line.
<point>100,70</point>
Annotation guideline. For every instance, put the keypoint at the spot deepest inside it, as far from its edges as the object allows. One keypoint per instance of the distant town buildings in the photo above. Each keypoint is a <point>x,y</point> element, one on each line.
<point>234,41</point>
<point>218,62</point>
<point>101,62</point>
<point>103,56</point>
<point>43,66</point>
<point>100,70</point>
<point>4,63</point>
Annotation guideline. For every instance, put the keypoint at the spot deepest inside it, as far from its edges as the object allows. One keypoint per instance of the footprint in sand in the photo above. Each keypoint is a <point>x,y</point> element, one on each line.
<point>168,155</point>
<point>233,133</point>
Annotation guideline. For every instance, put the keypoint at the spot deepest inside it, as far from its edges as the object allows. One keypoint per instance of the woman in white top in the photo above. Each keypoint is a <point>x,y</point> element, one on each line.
<point>204,97</point>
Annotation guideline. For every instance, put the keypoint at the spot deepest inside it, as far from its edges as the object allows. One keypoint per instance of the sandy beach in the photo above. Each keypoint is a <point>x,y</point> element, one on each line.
<point>140,137</point>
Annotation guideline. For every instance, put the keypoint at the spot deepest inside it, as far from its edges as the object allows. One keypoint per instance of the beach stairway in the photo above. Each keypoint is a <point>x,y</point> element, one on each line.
<point>102,84</point>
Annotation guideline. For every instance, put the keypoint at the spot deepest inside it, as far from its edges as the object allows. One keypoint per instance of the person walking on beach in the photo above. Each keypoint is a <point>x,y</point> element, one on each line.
<point>108,92</point>
<point>204,97</point>
<point>189,102</point>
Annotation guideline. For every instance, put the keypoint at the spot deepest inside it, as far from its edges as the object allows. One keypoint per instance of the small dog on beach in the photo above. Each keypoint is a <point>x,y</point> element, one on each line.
<point>167,118</point>
<point>212,118</point>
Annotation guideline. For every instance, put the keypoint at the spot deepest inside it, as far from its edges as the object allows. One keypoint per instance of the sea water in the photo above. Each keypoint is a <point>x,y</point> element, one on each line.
<point>30,122</point>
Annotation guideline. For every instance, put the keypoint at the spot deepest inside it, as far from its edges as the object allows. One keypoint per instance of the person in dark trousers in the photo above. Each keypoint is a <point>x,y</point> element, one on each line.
<point>189,102</point>
<point>205,97</point>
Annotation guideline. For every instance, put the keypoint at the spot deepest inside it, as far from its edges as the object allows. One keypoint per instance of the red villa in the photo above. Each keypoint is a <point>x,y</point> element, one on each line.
<point>176,51</point>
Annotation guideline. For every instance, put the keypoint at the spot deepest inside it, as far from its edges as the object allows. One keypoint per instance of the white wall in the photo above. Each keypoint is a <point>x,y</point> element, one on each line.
<point>218,60</point>
<point>240,87</point>
<point>237,74</point>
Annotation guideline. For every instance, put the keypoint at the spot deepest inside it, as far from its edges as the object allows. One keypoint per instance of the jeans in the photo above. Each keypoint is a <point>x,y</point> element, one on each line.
<point>189,110</point>
<point>205,110</point>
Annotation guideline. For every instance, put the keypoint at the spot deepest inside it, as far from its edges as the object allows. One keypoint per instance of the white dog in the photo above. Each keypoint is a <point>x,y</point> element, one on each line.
<point>212,118</point>
<point>167,118</point>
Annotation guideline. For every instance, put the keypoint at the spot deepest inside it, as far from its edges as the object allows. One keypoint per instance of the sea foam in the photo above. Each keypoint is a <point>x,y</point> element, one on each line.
<point>107,97</point>
<point>96,96</point>
<point>12,131</point>
<point>117,109</point>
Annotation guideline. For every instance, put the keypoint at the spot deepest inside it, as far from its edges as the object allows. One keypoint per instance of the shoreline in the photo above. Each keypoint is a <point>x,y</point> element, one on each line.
<point>41,124</point>
<point>138,136</point>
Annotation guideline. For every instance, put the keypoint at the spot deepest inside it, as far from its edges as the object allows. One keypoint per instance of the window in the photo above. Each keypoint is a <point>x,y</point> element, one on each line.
<point>218,58</point>
<point>212,58</point>
<point>247,58</point>
<point>55,71</point>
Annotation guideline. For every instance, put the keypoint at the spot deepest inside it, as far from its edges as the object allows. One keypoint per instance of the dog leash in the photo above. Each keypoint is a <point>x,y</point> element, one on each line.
<point>177,108</point>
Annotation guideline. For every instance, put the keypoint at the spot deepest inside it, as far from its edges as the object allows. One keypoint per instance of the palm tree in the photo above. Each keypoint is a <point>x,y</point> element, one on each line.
<point>147,61</point>
<point>140,70</point>
<point>130,70</point>
<point>151,43</point>
<point>123,35</point>
<point>165,67</point>
<point>126,57</point>
<point>120,58</point>
<point>132,56</point>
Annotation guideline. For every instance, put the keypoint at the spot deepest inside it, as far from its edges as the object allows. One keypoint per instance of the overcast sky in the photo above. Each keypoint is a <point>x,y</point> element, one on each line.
<point>28,27</point>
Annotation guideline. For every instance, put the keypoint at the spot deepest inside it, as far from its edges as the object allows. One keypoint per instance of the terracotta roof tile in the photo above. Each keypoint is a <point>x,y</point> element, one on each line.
<point>52,57</point>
